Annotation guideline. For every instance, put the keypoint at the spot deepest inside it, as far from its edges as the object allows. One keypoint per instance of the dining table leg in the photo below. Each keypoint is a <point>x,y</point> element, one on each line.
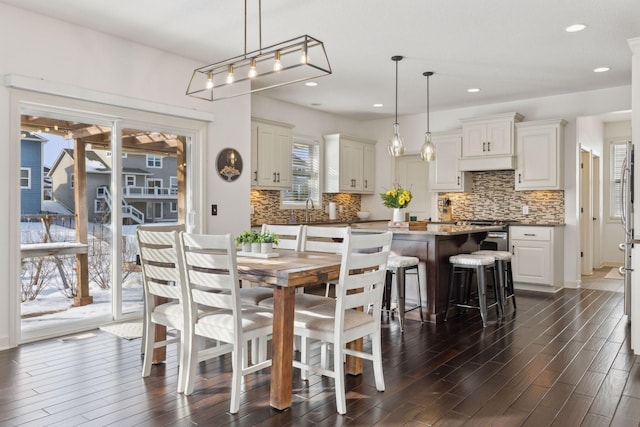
<point>282,341</point>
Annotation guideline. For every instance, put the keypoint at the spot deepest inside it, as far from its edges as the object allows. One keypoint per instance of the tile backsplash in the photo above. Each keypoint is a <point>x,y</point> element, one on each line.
<point>266,208</point>
<point>493,196</point>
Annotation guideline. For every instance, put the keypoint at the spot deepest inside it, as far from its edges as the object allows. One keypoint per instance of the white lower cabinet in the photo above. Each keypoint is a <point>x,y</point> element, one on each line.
<point>537,257</point>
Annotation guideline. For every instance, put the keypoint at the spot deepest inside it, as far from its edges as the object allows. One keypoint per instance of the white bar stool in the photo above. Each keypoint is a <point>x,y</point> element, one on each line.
<point>464,265</point>
<point>400,265</point>
<point>505,278</point>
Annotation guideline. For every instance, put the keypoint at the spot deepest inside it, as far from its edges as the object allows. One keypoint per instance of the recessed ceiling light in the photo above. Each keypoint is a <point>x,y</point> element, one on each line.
<point>601,69</point>
<point>473,90</point>
<point>311,84</point>
<point>575,28</point>
<point>378,105</point>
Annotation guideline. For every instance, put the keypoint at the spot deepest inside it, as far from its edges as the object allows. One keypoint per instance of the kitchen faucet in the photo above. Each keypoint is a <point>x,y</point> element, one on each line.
<point>306,208</point>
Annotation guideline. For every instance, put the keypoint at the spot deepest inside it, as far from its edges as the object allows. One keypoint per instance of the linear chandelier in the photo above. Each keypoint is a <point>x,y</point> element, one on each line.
<point>291,61</point>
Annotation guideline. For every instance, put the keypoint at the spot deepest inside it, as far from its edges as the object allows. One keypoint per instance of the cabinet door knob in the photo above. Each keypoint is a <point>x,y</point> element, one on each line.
<point>530,234</point>
<point>458,179</point>
<point>278,176</point>
<point>489,146</point>
<point>519,178</point>
<point>484,147</point>
<point>513,250</point>
<point>274,177</point>
<point>366,184</point>
<point>256,176</point>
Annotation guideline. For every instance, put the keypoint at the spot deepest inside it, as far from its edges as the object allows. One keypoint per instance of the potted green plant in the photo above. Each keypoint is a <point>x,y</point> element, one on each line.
<point>244,240</point>
<point>254,241</point>
<point>267,240</point>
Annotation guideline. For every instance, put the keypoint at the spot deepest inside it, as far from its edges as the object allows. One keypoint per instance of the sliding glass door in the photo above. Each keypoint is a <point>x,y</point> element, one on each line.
<point>86,183</point>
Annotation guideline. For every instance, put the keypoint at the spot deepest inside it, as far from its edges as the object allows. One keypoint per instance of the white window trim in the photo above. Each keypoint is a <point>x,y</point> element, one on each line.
<point>154,164</point>
<point>28,178</point>
<point>173,207</point>
<point>127,178</point>
<point>96,206</point>
<point>173,181</point>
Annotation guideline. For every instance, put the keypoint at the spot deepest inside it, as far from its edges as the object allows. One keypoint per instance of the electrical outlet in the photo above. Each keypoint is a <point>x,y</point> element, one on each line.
<point>214,210</point>
<point>525,210</point>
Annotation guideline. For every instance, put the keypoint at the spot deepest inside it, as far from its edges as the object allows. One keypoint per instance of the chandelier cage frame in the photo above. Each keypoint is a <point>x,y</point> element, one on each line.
<point>299,59</point>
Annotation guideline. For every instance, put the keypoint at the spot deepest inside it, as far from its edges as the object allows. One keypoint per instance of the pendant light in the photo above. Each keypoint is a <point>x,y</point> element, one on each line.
<point>428,150</point>
<point>396,144</point>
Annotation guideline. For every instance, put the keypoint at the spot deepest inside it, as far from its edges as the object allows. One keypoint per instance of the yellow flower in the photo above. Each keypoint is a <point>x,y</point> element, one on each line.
<point>396,197</point>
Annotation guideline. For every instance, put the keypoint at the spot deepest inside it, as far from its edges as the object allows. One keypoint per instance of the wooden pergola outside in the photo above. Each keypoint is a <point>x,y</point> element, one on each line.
<point>82,134</point>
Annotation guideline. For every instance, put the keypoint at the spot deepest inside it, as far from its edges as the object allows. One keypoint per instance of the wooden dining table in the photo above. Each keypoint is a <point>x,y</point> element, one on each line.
<point>286,272</point>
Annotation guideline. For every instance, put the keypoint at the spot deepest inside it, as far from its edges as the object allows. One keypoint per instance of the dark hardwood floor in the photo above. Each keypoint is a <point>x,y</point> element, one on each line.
<point>561,360</point>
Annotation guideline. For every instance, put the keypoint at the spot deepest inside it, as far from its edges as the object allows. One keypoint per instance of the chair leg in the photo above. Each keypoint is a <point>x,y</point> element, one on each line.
<point>236,379</point>
<point>149,343</point>
<point>376,349</point>
<point>338,369</point>
<point>482,293</point>
<point>510,284</point>
<point>304,357</point>
<point>191,358</point>
<point>451,278</point>
<point>401,288</point>
<point>419,295</point>
<point>386,301</point>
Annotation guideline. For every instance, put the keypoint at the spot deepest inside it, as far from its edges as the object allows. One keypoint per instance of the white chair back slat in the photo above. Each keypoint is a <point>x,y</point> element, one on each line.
<point>164,290</point>
<point>210,262</point>
<point>324,239</point>
<point>161,265</point>
<point>213,299</point>
<point>289,236</point>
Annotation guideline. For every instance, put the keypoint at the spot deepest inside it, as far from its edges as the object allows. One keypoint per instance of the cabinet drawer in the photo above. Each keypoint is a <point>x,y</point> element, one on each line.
<point>530,233</point>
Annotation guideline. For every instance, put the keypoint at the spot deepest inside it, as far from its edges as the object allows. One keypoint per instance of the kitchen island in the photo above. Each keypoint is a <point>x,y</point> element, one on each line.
<point>432,244</point>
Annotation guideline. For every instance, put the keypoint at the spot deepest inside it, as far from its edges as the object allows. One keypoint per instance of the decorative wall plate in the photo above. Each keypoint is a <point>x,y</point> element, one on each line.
<point>229,164</point>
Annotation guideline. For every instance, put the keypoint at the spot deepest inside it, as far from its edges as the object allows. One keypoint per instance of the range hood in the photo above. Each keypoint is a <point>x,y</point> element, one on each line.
<point>487,163</point>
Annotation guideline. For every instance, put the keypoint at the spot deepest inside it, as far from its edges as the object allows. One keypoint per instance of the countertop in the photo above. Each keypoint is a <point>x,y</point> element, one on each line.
<point>431,229</point>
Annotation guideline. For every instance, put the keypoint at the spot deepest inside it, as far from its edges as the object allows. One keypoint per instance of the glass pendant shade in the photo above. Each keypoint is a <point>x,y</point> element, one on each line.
<point>396,144</point>
<point>428,150</point>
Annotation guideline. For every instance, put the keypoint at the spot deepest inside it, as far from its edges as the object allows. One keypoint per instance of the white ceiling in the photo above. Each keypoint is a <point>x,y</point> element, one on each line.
<point>511,49</point>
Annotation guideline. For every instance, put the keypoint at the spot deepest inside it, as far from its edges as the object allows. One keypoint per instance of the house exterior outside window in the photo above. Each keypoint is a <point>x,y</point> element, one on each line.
<point>154,161</point>
<point>25,178</point>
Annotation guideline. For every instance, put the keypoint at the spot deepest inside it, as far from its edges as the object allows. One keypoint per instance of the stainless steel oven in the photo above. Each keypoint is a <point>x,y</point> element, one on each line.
<point>496,240</point>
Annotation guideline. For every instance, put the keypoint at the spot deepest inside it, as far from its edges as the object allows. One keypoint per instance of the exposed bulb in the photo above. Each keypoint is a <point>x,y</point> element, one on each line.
<point>428,150</point>
<point>304,57</point>
<point>252,69</point>
<point>230,77</point>
<point>277,66</point>
<point>396,144</point>
<point>210,80</point>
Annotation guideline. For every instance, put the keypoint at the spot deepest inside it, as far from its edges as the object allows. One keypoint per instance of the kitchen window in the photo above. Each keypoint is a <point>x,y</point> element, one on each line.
<point>617,154</point>
<point>305,175</point>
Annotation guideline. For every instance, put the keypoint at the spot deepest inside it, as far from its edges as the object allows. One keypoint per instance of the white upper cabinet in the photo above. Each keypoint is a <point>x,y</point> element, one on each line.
<point>488,142</point>
<point>444,175</point>
<point>271,144</point>
<point>349,164</point>
<point>540,155</point>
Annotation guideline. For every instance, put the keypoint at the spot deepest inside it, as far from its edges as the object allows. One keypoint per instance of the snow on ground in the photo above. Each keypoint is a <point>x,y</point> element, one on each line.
<point>52,306</point>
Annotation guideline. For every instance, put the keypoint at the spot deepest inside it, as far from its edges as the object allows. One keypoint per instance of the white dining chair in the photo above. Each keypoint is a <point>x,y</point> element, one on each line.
<point>289,236</point>
<point>210,265</point>
<point>324,239</point>
<point>162,279</point>
<point>362,278</point>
